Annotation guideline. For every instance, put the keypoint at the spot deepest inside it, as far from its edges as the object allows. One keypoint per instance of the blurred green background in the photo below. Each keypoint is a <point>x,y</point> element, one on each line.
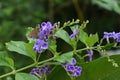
<point>16,15</point>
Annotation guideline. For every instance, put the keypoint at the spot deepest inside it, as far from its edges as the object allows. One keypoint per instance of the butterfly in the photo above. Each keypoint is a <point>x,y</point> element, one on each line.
<point>35,32</point>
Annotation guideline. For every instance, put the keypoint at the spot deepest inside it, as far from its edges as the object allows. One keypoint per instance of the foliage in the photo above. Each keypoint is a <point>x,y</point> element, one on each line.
<point>98,69</point>
<point>112,5</point>
<point>16,15</point>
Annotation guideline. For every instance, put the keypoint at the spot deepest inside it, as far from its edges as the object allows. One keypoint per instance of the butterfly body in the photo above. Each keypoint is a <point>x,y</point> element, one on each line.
<point>35,32</point>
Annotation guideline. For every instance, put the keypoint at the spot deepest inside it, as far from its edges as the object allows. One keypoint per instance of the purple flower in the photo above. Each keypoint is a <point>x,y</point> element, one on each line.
<point>75,32</point>
<point>43,24</point>
<point>109,35</point>
<point>90,53</point>
<point>45,32</point>
<point>46,26</point>
<point>40,45</point>
<point>49,25</point>
<point>77,71</point>
<point>113,35</point>
<point>37,48</point>
<point>69,67</point>
<point>35,71</point>
<point>118,37</point>
<point>40,72</point>
<point>73,61</point>
<point>45,70</point>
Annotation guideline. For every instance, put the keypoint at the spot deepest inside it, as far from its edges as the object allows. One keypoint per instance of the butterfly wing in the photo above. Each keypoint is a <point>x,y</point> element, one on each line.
<point>35,32</point>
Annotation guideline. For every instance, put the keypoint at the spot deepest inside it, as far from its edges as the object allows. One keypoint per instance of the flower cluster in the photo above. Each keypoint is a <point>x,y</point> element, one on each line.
<point>35,71</point>
<point>40,72</point>
<point>45,70</point>
<point>45,32</point>
<point>40,45</point>
<point>113,35</point>
<point>75,70</point>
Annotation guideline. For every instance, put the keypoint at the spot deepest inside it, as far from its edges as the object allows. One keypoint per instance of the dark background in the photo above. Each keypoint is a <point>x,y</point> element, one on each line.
<point>16,15</point>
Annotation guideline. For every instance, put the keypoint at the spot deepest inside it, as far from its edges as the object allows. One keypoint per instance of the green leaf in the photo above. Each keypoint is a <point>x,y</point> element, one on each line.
<point>3,54</point>
<point>10,61</point>
<point>88,41</point>
<point>108,46</point>
<point>112,5</point>
<point>92,40</point>
<point>83,36</point>
<point>101,69</point>
<point>5,60</point>
<point>63,35</point>
<point>29,48</point>
<point>58,73</point>
<point>52,46</point>
<point>73,27</point>
<point>19,47</point>
<point>24,76</point>
<point>65,57</point>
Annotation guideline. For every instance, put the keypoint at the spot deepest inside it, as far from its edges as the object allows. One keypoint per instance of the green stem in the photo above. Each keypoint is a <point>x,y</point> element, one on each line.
<point>53,69</point>
<point>10,73</point>
<point>74,51</point>
<point>108,41</point>
<point>71,78</point>
<point>38,57</point>
<point>87,48</point>
<point>29,66</point>
<point>79,57</point>
<point>38,63</point>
